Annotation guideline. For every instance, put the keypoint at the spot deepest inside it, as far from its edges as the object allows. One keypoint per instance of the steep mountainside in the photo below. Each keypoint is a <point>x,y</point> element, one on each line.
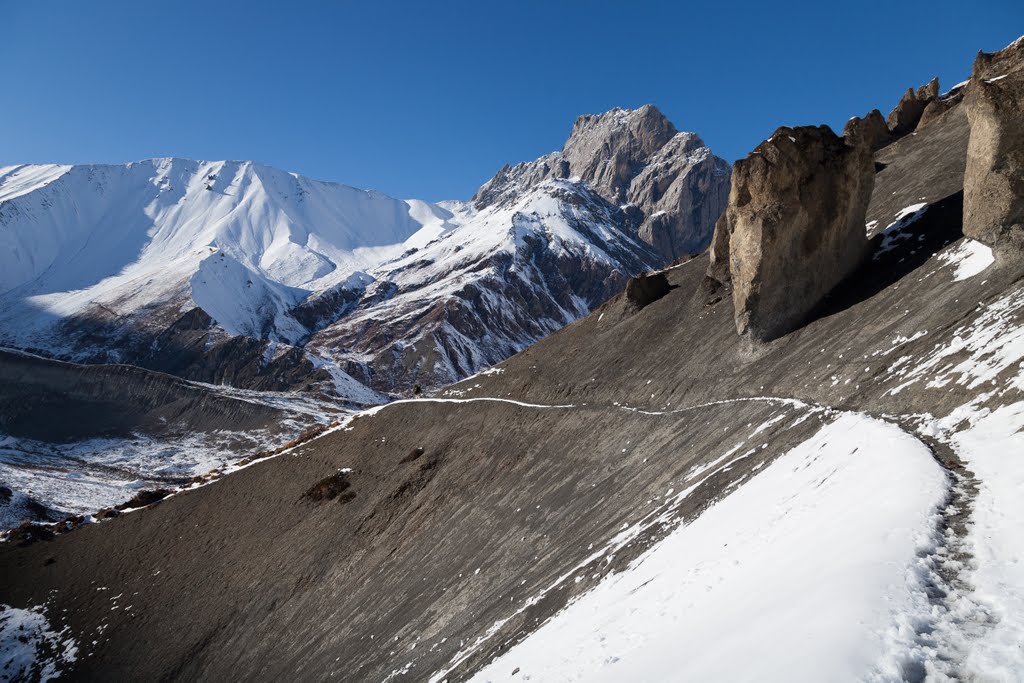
<point>616,501</point>
<point>233,272</point>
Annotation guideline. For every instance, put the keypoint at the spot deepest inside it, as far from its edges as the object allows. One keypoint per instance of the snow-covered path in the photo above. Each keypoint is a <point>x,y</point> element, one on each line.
<point>790,577</point>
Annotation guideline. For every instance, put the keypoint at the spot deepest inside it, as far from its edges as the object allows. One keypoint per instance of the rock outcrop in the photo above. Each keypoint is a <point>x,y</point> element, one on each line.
<point>906,115</point>
<point>794,227</point>
<point>994,177</point>
<point>670,185</point>
<point>871,131</point>
<point>645,289</point>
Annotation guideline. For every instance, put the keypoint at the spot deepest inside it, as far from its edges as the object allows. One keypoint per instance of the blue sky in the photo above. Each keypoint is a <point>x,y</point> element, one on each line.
<point>429,99</point>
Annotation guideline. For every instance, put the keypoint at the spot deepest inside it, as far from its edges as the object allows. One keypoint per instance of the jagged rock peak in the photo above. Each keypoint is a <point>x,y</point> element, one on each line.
<point>608,150</point>
<point>671,185</point>
<point>870,131</point>
<point>907,114</point>
<point>994,176</point>
<point>794,227</point>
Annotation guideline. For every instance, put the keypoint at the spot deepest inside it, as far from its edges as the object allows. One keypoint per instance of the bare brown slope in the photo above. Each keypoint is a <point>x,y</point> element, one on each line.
<point>249,579</point>
<point>53,400</point>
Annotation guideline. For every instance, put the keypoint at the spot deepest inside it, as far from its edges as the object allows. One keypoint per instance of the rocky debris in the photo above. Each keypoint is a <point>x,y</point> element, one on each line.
<point>645,289</point>
<point>29,532</point>
<point>906,115</point>
<point>144,498</point>
<point>670,185</point>
<point>331,487</point>
<point>871,131</point>
<point>994,177</point>
<point>795,226</point>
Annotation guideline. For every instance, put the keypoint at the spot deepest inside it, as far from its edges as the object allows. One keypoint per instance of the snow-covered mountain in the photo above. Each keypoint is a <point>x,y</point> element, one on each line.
<point>234,272</point>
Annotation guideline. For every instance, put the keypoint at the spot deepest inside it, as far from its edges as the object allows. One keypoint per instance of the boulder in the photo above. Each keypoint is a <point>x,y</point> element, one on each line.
<point>645,289</point>
<point>795,225</point>
<point>871,131</point>
<point>994,177</point>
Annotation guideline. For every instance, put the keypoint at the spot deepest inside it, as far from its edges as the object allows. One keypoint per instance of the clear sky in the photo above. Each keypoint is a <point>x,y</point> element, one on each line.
<point>429,98</point>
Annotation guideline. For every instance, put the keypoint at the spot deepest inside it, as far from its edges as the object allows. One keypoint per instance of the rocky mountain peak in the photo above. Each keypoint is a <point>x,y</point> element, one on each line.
<point>671,184</point>
<point>608,150</point>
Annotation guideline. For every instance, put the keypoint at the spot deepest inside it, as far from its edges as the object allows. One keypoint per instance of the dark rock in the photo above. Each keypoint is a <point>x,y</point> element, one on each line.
<point>6,494</point>
<point>797,211</point>
<point>329,488</point>
<point>38,511</point>
<point>144,498</point>
<point>414,454</point>
<point>904,117</point>
<point>29,532</point>
<point>994,177</point>
<point>646,288</point>
<point>934,110</point>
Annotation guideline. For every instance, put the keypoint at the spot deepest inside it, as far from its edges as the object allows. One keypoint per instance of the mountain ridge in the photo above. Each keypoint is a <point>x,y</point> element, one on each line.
<point>105,262</point>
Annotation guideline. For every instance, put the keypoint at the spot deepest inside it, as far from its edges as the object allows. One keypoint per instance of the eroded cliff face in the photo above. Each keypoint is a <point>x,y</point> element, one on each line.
<point>794,227</point>
<point>994,177</point>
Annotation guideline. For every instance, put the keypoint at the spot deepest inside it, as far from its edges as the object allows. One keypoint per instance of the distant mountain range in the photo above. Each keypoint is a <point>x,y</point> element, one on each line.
<point>237,273</point>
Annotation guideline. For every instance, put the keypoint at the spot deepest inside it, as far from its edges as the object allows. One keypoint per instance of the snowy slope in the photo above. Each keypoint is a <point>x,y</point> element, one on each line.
<point>124,237</point>
<point>791,577</point>
<point>99,263</point>
<point>498,280</point>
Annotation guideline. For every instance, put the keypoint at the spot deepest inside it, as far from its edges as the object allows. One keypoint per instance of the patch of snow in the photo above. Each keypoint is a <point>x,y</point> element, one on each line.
<point>29,647</point>
<point>978,352</point>
<point>893,233</point>
<point>81,477</point>
<point>970,257</point>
